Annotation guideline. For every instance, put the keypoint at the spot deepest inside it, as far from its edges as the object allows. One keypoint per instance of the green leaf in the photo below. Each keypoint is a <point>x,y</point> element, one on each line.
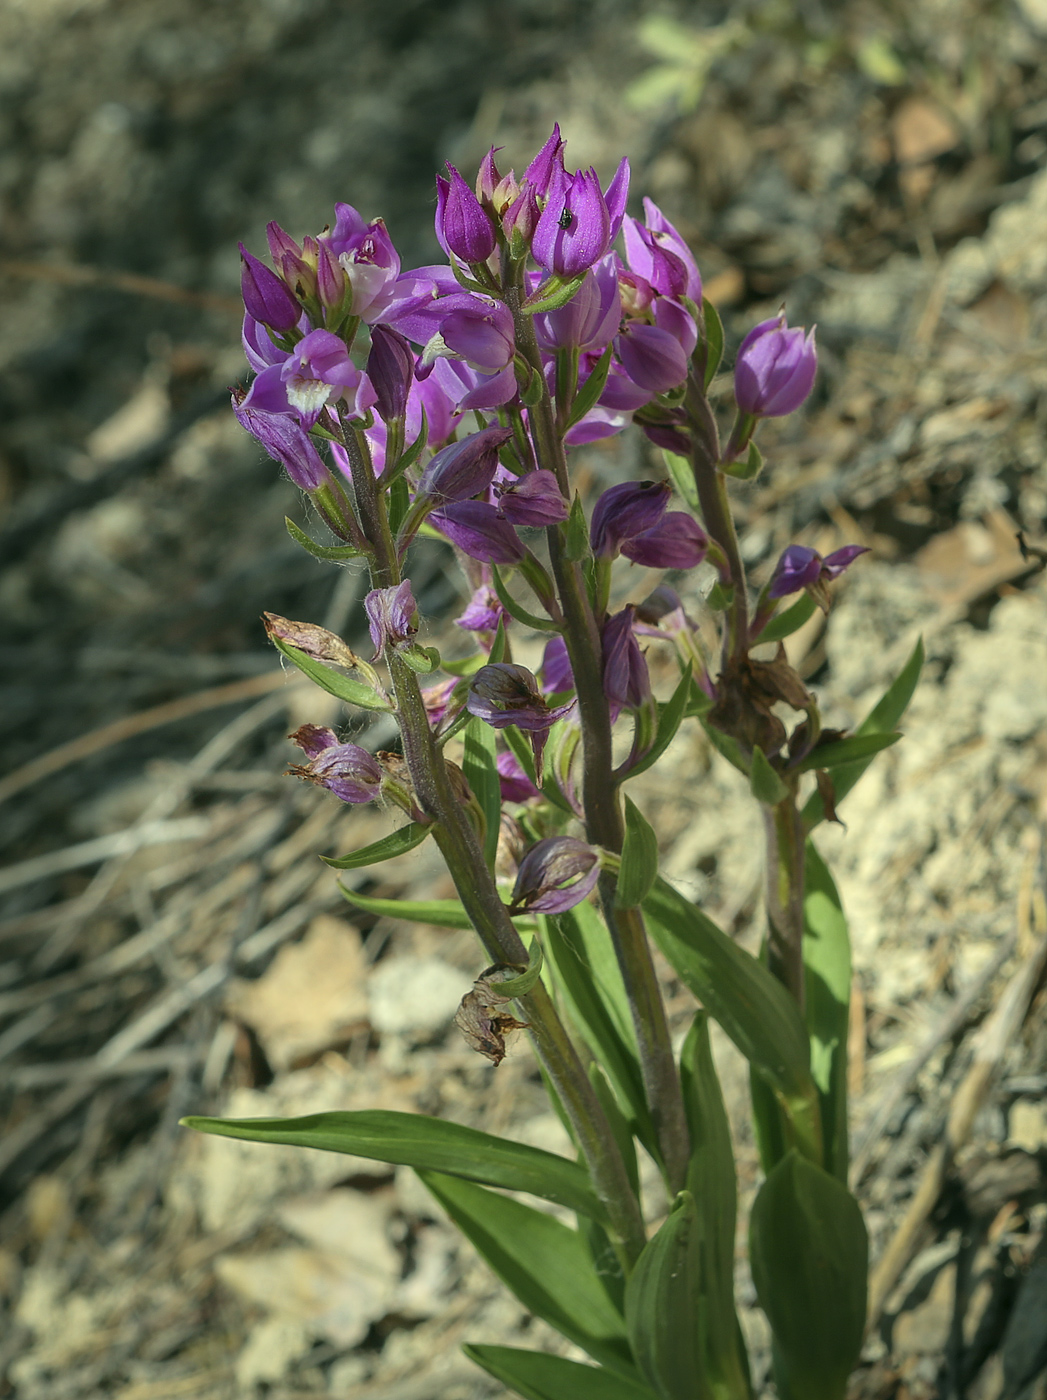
<point>499,645</point>
<point>713,339</point>
<point>441,913</point>
<point>546,1264</point>
<point>538,1376</point>
<point>767,787</point>
<point>846,751</point>
<point>749,1003</point>
<point>669,717</point>
<point>521,749</point>
<point>619,1125</point>
<point>788,622</point>
<point>520,986</point>
<point>399,504</point>
<point>466,665</point>
<point>481,773</point>
<point>416,1140</point>
<point>663,1307</point>
<point>827,974</point>
<point>553,293</point>
<point>748,469</point>
<point>397,843</point>
<point>320,551</point>
<point>334,682</point>
<point>720,596</point>
<point>587,395</point>
<point>576,533</point>
<point>639,859</point>
<point>585,969</point>
<point>724,744</point>
<point>515,609</point>
<point>882,719</point>
<point>424,660</point>
<point>711,1180</point>
<point>682,474</point>
<point>809,1254</point>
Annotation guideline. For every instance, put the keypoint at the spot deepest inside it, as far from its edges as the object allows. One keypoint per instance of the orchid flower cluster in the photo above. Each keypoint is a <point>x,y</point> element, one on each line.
<point>444,402</point>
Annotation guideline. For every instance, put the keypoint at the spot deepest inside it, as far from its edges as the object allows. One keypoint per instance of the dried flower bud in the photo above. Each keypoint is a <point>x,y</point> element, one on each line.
<point>314,641</point>
<point>347,770</point>
<point>556,874</point>
<point>503,694</point>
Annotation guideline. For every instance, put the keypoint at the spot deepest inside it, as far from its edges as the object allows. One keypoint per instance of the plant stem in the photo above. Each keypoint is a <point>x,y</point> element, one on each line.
<point>463,853</point>
<point>603,816</point>
<point>785,888</point>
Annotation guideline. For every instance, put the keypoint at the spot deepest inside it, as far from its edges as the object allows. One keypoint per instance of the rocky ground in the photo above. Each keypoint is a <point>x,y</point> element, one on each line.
<point>165,925</point>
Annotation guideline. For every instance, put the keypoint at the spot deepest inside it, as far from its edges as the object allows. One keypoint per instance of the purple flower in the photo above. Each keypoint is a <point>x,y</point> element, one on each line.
<point>775,369</point>
<point>556,874</point>
<point>557,675</point>
<point>479,531</point>
<point>483,612</point>
<point>476,328</point>
<point>463,469</point>
<point>370,262</point>
<point>546,163</point>
<point>266,298</point>
<point>676,542</point>
<point>625,678</point>
<point>514,783</point>
<point>438,700</point>
<point>344,769</point>
<point>287,442</point>
<point>502,694</point>
<point>590,319</point>
<point>318,370</point>
<point>533,499</point>
<point>657,252</point>
<point>574,229</point>
<point>288,260</point>
<point>801,567</point>
<point>390,368</point>
<point>624,511</point>
<point>487,178</point>
<point>462,226</point>
<point>391,616</point>
<point>652,358</point>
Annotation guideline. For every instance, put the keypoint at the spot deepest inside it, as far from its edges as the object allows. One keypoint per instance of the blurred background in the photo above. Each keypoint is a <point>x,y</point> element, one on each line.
<point>167,942</point>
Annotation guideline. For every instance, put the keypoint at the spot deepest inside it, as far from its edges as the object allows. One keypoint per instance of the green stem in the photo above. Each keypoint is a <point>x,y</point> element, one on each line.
<point>463,853</point>
<point>603,816</point>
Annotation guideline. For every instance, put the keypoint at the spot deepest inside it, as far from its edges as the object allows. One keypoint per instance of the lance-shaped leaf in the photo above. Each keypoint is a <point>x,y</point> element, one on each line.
<point>553,293</point>
<point>882,719</point>
<point>750,466</point>
<point>809,1254</point>
<point>669,716</point>
<point>585,969</point>
<point>479,764</point>
<point>587,396</point>
<point>713,344</point>
<point>546,1264</point>
<point>441,913</point>
<point>682,474</point>
<point>334,682</point>
<point>397,843</point>
<point>711,1181</point>
<point>515,609</point>
<point>767,787</point>
<point>511,987</point>
<point>789,621</point>
<point>416,1140</point>
<point>664,1308</point>
<point>538,1376</point>
<point>337,552</point>
<point>639,859</point>
<point>749,1003</point>
<point>827,1003</point>
<point>724,744</point>
<point>854,749</point>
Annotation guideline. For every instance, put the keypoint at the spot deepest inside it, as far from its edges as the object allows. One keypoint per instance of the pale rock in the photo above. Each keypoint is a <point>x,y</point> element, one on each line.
<point>311,997</point>
<point>271,1349</point>
<point>1027,1125</point>
<point>415,995</point>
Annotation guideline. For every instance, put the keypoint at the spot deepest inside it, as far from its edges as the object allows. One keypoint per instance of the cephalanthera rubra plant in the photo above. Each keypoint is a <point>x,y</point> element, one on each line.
<point>445,401</point>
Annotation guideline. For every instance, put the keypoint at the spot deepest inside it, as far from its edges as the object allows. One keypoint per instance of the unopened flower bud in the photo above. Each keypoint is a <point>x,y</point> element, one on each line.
<point>556,874</point>
<point>463,469</point>
<point>462,225</point>
<point>624,511</point>
<point>801,567</point>
<point>392,616</point>
<point>676,542</point>
<point>488,178</point>
<point>574,230</point>
<point>479,531</point>
<point>390,368</point>
<point>775,369</point>
<point>347,770</point>
<point>266,297</point>
<point>625,678</point>
<point>652,357</point>
<point>534,500</point>
<point>332,285</point>
<point>548,160</point>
